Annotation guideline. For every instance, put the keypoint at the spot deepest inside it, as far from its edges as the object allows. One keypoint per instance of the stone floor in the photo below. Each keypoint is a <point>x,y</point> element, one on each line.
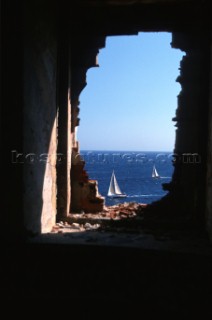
<point>114,260</point>
<point>122,226</point>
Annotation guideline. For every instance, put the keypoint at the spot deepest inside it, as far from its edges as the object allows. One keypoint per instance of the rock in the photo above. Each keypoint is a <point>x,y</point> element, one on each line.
<point>60,224</point>
<point>124,212</point>
<point>113,214</point>
<point>87,226</point>
<point>75,226</point>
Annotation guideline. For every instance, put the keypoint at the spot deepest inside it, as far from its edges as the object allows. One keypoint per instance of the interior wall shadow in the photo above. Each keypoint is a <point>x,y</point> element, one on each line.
<point>39,121</point>
<point>11,118</point>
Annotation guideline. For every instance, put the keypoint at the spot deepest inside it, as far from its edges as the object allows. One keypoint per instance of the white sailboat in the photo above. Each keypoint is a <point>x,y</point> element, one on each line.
<point>114,191</point>
<point>155,174</point>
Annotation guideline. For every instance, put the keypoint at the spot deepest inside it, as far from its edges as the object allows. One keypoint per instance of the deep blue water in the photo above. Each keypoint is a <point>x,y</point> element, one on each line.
<point>133,171</point>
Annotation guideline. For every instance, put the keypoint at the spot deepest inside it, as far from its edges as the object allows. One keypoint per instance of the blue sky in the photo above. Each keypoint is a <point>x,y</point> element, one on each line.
<point>131,97</point>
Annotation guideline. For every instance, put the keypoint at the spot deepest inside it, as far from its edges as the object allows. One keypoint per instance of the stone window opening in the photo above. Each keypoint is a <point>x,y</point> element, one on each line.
<point>184,198</point>
<point>77,159</point>
<point>157,264</point>
<point>138,79</point>
<point>56,59</point>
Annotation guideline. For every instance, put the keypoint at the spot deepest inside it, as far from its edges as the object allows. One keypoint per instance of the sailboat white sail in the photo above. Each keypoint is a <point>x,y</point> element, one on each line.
<point>114,190</point>
<point>155,174</point>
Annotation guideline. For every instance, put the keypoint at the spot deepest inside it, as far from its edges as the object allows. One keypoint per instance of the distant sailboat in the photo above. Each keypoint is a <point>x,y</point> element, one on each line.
<point>114,191</point>
<point>155,173</point>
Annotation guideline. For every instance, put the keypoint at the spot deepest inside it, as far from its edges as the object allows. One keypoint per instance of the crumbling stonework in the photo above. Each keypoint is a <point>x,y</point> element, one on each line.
<point>85,196</point>
<point>84,192</point>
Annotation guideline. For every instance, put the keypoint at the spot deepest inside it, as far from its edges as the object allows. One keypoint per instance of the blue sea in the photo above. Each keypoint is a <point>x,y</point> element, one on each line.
<point>133,172</point>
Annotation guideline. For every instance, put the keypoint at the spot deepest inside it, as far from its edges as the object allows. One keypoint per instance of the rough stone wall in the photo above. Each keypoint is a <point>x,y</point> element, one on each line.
<point>39,128</point>
<point>188,182</point>
<point>64,118</point>
<point>85,196</point>
<point>84,192</point>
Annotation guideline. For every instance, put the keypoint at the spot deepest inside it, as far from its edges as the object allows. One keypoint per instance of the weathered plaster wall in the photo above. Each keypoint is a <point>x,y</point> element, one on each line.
<point>39,129</point>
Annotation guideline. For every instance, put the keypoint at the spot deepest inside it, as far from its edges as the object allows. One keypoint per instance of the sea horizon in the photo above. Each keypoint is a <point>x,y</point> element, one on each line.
<point>104,150</point>
<point>133,170</point>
